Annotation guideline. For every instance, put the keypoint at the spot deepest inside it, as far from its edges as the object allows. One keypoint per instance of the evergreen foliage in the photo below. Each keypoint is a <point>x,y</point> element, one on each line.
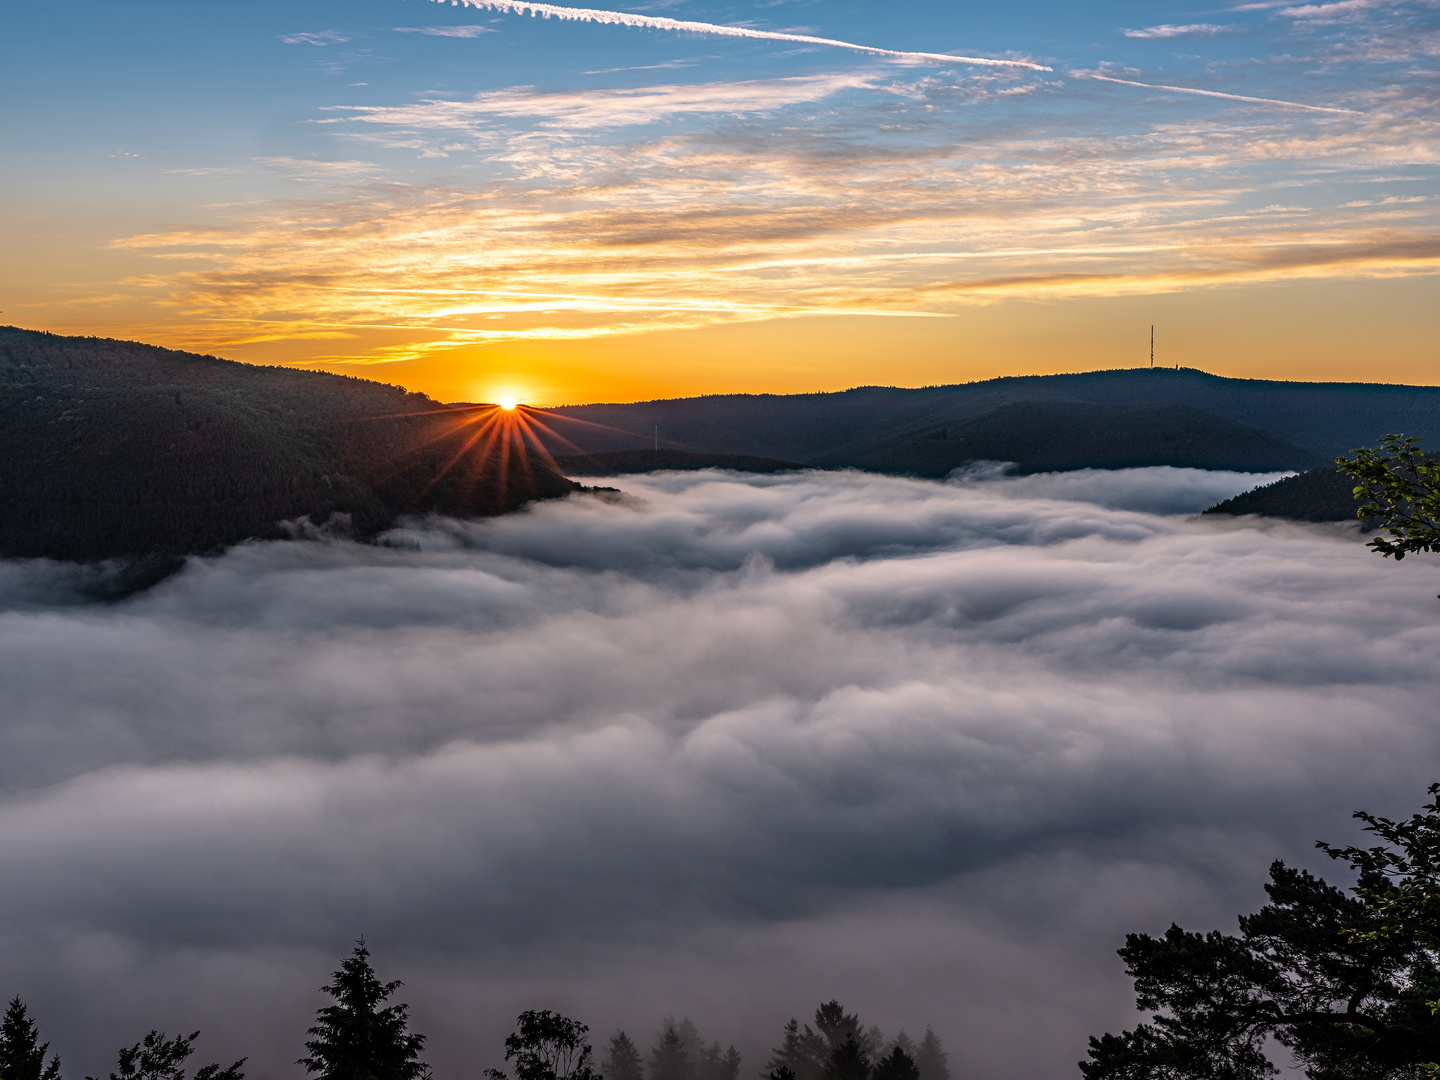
<point>357,1039</point>
<point>22,1054</point>
<point>1346,982</point>
<point>623,1060</point>
<point>157,1058</point>
<point>848,1060</point>
<point>791,1060</point>
<point>669,1059</point>
<point>839,1048</point>
<point>898,1064</point>
<point>931,1059</point>
<point>1314,495</point>
<point>548,1046</point>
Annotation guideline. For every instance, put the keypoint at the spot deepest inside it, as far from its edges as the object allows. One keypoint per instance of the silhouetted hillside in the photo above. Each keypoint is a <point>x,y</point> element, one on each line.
<point>116,449</point>
<point>1323,494</point>
<point>1050,436</point>
<point>1325,418</point>
<point>619,462</point>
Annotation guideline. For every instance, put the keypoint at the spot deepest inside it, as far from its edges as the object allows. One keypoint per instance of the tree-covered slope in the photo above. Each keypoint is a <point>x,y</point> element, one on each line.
<point>1323,494</point>
<point>117,449</point>
<point>1049,436</point>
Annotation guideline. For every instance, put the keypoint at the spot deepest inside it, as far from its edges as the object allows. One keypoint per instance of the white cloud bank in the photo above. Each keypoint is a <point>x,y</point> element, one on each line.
<point>726,748</point>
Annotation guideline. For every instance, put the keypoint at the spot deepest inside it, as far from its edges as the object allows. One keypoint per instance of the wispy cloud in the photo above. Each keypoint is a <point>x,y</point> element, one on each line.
<point>591,238</point>
<point>612,107</point>
<point>1341,10</point>
<point>323,37</point>
<point>307,169</point>
<point>1211,93</point>
<point>623,18</point>
<point>467,31</point>
<point>1165,30</point>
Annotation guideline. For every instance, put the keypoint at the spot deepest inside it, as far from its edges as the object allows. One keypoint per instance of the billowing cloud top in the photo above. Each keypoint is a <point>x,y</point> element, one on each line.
<point>723,746</point>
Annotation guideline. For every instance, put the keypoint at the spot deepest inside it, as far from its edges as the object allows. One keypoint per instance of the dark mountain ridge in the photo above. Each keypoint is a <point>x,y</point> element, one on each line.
<point>114,449</point>
<point>1325,419</point>
<point>1052,436</point>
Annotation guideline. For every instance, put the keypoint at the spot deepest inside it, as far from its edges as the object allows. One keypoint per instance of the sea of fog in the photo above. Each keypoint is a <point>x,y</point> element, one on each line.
<point>721,746</point>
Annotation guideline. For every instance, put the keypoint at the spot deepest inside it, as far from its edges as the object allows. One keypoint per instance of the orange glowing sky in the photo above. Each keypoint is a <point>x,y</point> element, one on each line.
<point>485,207</point>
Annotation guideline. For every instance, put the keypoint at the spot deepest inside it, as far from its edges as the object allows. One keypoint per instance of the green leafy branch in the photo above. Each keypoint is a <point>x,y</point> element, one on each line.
<point>1400,485</point>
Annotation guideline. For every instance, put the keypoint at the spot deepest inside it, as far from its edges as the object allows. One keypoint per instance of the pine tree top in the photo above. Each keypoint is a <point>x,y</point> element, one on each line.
<point>356,1039</point>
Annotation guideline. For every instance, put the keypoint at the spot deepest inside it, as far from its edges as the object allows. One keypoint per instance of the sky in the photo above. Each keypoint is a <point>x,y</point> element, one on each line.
<point>476,201</point>
<point>725,746</point>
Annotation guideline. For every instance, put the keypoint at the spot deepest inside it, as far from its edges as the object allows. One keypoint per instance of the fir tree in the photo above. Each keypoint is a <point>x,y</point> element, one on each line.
<point>896,1065</point>
<point>356,1039</point>
<point>669,1059</point>
<point>729,1065</point>
<point>707,1067</point>
<point>22,1054</point>
<point>836,1024</point>
<point>931,1059</point>
<point>904,1042</point>
<point>157,1058</point>
<point>623,1060</point>
<point>848,1061</point>
<point>788,1061</point>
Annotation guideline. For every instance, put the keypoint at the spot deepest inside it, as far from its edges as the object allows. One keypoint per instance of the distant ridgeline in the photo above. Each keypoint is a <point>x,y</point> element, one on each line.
<point>1105,419</point>
<point>112,449</point>
<point>115,449</point>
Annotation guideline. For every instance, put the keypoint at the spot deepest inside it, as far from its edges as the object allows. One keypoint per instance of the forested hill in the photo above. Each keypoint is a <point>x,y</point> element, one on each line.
<point>1325,419</point>
<point>116,449</point>
<point>1050,436</point>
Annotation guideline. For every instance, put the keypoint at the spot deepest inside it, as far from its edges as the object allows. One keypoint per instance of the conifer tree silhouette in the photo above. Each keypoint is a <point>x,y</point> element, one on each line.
<point>931,1059</point>
<point>356,1039</point>
<point>22,1054</point>
<point>623,1060</point>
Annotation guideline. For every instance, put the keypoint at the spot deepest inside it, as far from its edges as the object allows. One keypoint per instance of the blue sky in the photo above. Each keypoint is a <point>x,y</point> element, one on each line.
<point>266,179</point>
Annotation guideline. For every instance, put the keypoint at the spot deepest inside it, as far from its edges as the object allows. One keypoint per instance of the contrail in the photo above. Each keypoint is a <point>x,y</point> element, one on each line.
<point>624,18</point>
<point>1213,93</point>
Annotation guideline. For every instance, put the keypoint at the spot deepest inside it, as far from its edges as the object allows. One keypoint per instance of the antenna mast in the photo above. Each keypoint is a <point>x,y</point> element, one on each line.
<point>1152,346</point>
<point>657,436</point>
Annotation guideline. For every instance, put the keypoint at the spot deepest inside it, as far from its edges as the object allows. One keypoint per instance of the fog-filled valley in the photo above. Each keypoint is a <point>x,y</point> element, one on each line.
<point>719,746</point>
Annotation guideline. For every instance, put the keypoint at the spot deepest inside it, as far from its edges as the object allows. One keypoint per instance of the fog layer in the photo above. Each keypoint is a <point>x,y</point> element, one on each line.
<point>722,746</point>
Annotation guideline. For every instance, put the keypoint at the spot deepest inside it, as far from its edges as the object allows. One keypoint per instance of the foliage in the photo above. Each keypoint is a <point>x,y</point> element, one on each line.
<point>356,1039</point>
<point>669,1058</point>
<point>930,1057</point>
<point>1400,878</point>
<point>22,1054</point>
<point>1344,982</point>
<point>896,1065</point>
<point>848,1060</point>
<point>1400,485</point>
<point>548,1046</point>
<point>716,1064</point>
<point>157,1058</point>
<point>623,1060</point>
<point>839,1048</point>
<point>1322,494</point>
